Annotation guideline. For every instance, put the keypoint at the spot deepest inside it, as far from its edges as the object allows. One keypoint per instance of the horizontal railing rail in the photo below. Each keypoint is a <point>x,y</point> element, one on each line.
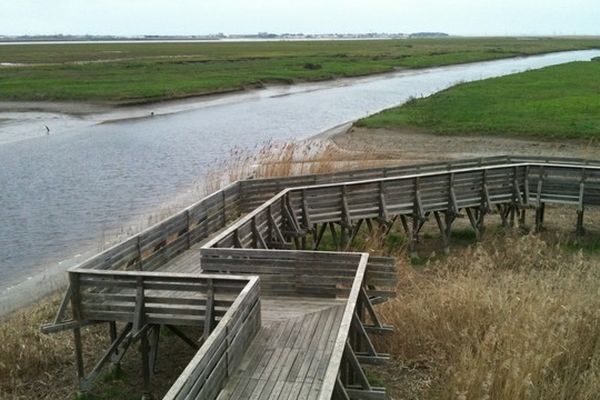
<point>302,273</point>
<point>152,298</point>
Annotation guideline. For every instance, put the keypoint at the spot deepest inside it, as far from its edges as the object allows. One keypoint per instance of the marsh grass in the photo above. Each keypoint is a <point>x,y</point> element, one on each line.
<point>141,72</point>
<point>554,102</point>
<point>512,317</point>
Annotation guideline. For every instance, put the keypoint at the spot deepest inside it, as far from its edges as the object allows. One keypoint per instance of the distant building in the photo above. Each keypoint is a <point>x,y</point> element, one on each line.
<point>428,35</point>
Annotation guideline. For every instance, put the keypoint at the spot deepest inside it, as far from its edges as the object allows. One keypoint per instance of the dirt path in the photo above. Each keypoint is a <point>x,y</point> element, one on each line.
<point>409,147</point>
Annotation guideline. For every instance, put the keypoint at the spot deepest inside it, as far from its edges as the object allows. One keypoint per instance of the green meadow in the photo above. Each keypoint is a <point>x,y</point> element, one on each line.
<point>142,72</point>
<point>555,102</point>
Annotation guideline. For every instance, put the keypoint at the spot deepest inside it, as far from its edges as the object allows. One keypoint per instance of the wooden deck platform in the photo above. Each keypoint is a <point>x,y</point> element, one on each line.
<point>290,354</point>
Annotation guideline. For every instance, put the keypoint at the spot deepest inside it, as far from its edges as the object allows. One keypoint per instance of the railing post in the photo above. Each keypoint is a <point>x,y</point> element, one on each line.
<point>76,311</point>
<point>210,309</point>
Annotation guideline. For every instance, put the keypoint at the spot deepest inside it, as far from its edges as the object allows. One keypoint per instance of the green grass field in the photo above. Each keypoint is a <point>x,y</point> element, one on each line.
<point>138,72</point>
<point>556,102</point>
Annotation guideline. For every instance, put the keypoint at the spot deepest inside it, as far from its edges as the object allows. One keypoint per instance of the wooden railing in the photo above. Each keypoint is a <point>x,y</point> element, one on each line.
<point>298,213</point>
<point>219,357</point>
<point>146,301</point>
<point>152,297</point>
<point>345,378</point>
<point>160,243</point>
<point>256,191</point>
<point>302,273</point>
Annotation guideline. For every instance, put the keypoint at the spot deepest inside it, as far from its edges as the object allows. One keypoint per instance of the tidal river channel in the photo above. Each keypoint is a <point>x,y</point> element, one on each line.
<point>61,192</point>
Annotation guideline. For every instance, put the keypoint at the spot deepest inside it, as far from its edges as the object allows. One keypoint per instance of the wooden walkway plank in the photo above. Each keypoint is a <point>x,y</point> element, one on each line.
<point>283,361</point>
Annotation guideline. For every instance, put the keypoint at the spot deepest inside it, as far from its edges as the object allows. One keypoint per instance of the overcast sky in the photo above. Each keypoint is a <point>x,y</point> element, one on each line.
<point>173,17</point>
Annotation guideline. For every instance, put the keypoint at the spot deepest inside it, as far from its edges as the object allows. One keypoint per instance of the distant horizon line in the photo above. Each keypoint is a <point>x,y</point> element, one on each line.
<point>291,34</point>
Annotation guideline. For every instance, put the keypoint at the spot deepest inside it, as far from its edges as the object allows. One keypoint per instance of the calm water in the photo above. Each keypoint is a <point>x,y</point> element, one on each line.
<point>59,193</point>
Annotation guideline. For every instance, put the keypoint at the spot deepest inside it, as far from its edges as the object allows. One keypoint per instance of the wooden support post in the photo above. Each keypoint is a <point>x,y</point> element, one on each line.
<point>390,225</point>
<point>486,202</point>
<point>526,196</point>
<point>522,217</point>
<point>383,214</point>
<point>305,211</point>
<point>580,209</point>
<point>346,220</point>
<point>334,236</point>
<point>443,227</point>
<point>473,215</point>
<point>503,211</point>
<point>223,209</point>
<point>320,236</point>
<point>139,251</point>
<point>190,342</point>
<point>368,307</point>
<point>188,224</point>
<point>340,392</point>
<point>539,206</point>
<point>370,226</point>
<point>258,241</point>
<point>343,237</point>
<point>418,217</point>
<point>60,314</point>
<point>79,357</point>
<point>110,354</point>
<point>76,311</point>
<point>406,227</point>
<point>369,355</point>
<point>512,212</point>
<point>291,215</point>
<point>112,328</point>
<point>357,372</point>
<point>154,339</point>
<point>270,223</point>
<point>210,309</point>
<point>278,235</point>
<point>139,311</point>
<point>355,231</point>
<point>146,373</point>
<point>236,240</point>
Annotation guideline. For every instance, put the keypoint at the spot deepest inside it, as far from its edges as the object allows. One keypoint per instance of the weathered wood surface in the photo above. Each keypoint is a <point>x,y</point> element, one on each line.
<point>291,353</point>
<point>294,212</point>
<point>173,299</point>
<point>301,273</point>
<point>219,356</point>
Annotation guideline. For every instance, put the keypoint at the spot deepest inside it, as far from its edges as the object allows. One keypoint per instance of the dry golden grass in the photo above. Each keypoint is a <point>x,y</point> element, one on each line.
<point>510,318</point>
<point>274,159</point>
<point>34,365</point>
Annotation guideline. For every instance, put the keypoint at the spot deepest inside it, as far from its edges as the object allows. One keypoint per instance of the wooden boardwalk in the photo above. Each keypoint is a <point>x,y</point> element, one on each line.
<point>279,317</point>
<point>291,352</point>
